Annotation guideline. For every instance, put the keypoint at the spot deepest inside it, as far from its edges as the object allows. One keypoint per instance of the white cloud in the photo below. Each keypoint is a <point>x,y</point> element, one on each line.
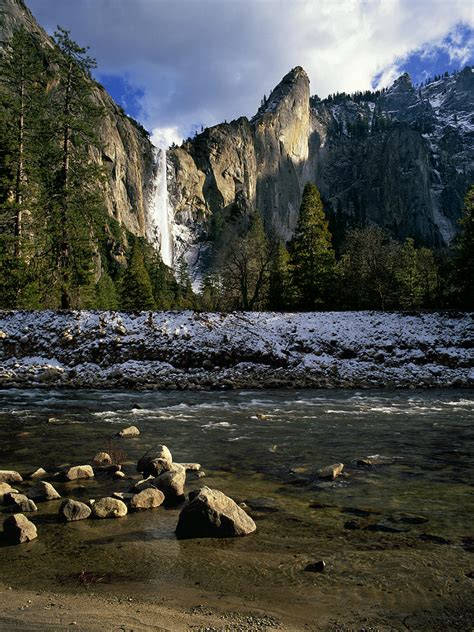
<point>163,137</point>
<point>203,61</point>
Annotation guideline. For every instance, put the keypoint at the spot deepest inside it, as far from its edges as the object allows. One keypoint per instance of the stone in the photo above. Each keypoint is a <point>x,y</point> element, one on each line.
<point>102,458</point>
<point>172,483</point>
<point>72,510</point>
<point>210,513</point>
<point>109,508</point>
<point>19,503</point>
<point>78,471</point>
<point>191,467</point>
<point>123,495</point>
<point>18,529</point>
<point>10,476</point>
<point>331,471</point>
<point>131,431</point>
<point>5,488</point>
<point>316,567</point>
<point>376,459</point>
<point>145,483</point>
<point>158,455</point>
<point>43,492</point>
<point>119,474</point>
<point>147,499</point>
<point>39,473</point>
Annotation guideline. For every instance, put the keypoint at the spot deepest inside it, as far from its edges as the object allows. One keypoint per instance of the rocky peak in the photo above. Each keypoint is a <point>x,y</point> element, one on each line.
<point>292,90</point>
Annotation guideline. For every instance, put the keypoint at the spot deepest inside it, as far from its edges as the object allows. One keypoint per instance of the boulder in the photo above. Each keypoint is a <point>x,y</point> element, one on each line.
<point>19,503</point>
<point>39,473</point>
<point>102,458</point>
<point>123,495</point>
<point>147,499</point>
<point>131,431</point>
<point>5,488</point>
<point>42,492</point>
<point>158,454</point>
<point>119,474</point>
<point>10,476</point>
<point>77,472</point>
<point>331,471</point>
<point>18,529</point>
<point>211,514</point>
<point>109,508</point>
<point>72,510</point>
<point>172,483</point>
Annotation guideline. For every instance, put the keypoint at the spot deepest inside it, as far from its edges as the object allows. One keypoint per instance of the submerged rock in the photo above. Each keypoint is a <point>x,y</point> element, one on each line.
<point>77,472</point>
<point>18,529</point>
<point>43,492</point>
<point>131,431</point>
<point>10,476</point>
<point>109,508</point>
<point>19,503</point>
<point>317,567</point>
<point>331,471</point>
<point>72,510</point>
<point>147,499</point>
<point>210,513</point>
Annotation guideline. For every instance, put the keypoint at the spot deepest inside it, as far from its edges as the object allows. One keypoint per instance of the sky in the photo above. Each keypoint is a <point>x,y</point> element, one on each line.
<point>177,65</point>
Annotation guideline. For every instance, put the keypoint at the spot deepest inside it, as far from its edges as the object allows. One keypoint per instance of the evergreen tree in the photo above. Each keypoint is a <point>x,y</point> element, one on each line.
<point>185,295</point>
<point>311,253</point>
<point>21,101</point>
<point>280,293</point>
<point>137,291</point>
<point>464,249</point>
<point>106,296</point>
<point>210,295</point>
<point>408,276</point>
<point>72,182</point>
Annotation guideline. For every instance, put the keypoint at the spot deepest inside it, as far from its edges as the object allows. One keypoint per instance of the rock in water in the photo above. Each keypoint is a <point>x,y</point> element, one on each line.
<point>211,514</point>
<point>39,473</point>
<point>331,471</point>
<point>159,456</point>
<point>172,483</point>
<point>147,499</point>
<point>102,458</point>
<point>19,503</point>
<point>18,529</point>
<point>316,567</point>
<point>10,476</point>
<point>42,492</point>
<point>109,508</point>
<point>72,510</point>
<point>131,431</point>
<point>5,489</point>
<point>78,471</point>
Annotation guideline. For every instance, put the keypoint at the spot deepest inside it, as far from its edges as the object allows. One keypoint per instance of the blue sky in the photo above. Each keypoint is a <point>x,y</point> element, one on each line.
<point>178,64</point>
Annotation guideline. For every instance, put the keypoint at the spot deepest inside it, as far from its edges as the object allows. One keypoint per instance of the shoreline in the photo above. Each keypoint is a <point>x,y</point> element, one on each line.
<point>249,350</point>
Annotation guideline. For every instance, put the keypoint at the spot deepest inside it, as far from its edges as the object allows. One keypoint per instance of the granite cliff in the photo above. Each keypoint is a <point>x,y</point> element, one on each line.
<point>127,152</point>
<point>402,158</point>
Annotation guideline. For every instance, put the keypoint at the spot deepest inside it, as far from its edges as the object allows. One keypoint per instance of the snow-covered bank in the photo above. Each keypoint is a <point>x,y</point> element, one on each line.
<point>239,350</point>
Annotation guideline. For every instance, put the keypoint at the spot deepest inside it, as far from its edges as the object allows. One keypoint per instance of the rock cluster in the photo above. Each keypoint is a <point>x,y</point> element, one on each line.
<point>208,513</point>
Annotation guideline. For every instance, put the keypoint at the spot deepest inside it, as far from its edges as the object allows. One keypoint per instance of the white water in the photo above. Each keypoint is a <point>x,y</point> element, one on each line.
<point>160,223</point>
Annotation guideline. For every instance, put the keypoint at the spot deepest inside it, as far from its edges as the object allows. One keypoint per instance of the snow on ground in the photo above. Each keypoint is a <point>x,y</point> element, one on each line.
<point>237,350</point>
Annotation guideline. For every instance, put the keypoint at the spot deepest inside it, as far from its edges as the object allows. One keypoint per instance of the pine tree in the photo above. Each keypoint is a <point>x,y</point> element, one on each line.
<point>280,293</point>
<point>185,295</point>
<point>72,182</point>
<point>311,253</point>
<point>137,291</point>
<point>408,276</point>
<point>21,101</point>
<point>464,259</point>
<point>106,296</point>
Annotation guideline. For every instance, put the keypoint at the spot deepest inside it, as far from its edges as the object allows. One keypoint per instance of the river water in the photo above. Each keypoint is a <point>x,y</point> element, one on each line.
<point>396,537</point>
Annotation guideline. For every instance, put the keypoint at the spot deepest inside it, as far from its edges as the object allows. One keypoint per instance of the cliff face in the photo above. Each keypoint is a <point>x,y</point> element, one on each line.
<point>402,159</point>
<point>127,154</point>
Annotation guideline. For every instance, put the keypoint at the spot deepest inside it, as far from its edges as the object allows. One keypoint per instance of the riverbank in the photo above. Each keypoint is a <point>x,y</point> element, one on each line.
<point>188,350</point>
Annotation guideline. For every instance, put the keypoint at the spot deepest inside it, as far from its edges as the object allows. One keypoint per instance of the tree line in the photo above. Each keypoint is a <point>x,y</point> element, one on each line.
<point>59,248</point>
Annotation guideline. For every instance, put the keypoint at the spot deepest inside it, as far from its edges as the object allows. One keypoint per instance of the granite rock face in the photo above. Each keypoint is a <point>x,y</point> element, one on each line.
<point>402,159</point>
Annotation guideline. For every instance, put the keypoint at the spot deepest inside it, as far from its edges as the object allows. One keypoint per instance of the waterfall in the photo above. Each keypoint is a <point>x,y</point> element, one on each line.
<point>159,229</point>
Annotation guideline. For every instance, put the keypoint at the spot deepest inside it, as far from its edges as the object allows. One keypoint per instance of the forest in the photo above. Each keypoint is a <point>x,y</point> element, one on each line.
<point>60,249</point>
